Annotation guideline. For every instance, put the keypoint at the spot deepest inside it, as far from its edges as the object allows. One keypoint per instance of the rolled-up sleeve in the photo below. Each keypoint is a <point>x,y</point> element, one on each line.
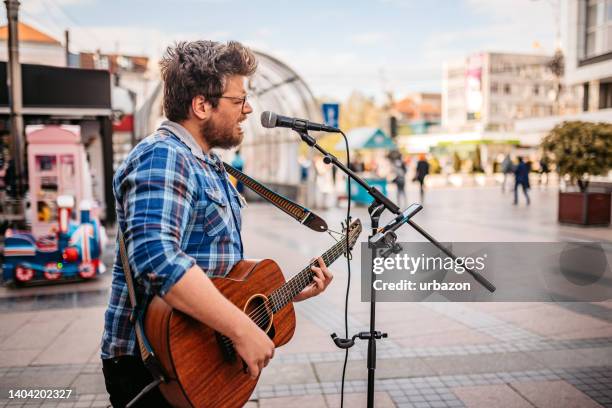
<point>157,196</point>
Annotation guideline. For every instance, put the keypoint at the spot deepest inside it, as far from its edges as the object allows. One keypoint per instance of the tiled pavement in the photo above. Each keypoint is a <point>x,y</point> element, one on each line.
<point>437,355</point>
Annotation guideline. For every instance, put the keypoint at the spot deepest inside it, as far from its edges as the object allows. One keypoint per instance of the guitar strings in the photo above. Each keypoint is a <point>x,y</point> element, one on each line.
<point>259,314</point>
<point>293,284</point>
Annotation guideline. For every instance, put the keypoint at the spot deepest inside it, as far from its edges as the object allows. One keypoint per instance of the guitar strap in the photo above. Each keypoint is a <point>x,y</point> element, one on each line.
<point>301,214</point>
<point>136,318</point>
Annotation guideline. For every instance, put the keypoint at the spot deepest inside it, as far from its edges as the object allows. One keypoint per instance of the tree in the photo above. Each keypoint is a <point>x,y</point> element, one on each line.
<point>580,150</point>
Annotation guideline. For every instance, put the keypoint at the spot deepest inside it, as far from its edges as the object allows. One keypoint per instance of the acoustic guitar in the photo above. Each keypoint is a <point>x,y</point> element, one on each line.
<point>201,365</point>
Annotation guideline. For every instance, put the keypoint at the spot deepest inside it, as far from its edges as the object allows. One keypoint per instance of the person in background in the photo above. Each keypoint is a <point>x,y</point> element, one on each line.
<point>507,168</point>
<point>399,180</point>
<point>521,178</point>
<point>422,170</point>
<point>357,164</point>
<point>544,170</point>
<point>238,163</point>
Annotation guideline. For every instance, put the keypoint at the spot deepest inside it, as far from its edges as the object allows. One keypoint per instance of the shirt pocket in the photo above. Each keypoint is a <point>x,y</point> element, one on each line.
<point>217,213</point>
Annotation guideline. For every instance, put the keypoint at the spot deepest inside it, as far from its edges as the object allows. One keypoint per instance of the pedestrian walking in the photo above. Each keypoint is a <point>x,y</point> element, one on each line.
<point>399,169</point>
<point>507,168</point>
<point>422,170</point>
<point>521,178</point>
<point>544,171</point>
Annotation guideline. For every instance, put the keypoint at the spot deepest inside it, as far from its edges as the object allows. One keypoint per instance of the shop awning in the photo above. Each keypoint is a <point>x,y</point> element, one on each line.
<point>367,138</point>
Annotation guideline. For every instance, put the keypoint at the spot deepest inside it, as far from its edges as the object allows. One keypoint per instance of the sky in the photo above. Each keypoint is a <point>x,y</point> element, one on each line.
<point>372,46</point>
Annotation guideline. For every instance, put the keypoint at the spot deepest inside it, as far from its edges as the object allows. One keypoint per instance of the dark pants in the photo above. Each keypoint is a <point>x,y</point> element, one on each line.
<point>401,195</point>
<point>422,185</point>
<point>125,377</point>
<point>525,188</point>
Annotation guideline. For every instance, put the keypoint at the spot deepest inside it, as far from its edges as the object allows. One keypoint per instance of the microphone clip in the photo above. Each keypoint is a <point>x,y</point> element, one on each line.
<point>309,140</point>
<point>348,343</point>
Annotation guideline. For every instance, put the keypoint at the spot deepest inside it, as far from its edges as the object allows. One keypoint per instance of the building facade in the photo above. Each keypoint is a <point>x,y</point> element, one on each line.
<point>490,91</point>
<point>419,113</point>
<point>35,47</point>
<point>586,28</point>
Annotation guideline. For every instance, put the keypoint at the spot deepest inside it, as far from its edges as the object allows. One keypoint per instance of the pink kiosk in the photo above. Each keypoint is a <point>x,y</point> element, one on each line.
<point>63,243</point>
<point>57,167</point>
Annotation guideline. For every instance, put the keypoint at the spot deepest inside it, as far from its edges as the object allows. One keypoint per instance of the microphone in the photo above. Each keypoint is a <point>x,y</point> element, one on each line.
<point>272,120</point>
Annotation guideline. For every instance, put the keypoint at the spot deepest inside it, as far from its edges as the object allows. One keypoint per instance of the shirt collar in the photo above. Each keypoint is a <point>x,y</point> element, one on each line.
<point>184,136</point>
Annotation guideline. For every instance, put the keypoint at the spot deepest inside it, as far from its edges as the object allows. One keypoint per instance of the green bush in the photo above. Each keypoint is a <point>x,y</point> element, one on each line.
<point>580,150</point>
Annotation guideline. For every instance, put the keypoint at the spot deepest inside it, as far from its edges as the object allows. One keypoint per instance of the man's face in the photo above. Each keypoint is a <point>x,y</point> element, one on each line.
<point>223,128</point>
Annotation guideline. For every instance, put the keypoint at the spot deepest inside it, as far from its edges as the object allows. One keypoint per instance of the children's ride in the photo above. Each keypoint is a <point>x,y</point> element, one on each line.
<point>61,245</point>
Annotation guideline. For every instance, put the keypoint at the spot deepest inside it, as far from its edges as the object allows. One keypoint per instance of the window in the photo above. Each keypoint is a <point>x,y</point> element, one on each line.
<point>536,90</point>
<point>597,27</point>
<point>494,87</point>
<point>507,89</point>
<point>605,95</point>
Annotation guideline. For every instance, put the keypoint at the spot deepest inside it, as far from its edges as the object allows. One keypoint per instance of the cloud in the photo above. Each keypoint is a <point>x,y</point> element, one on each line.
<point>369,38</point>
<point>510,26</point>
<point>134,40</point>
<point>44,6</point>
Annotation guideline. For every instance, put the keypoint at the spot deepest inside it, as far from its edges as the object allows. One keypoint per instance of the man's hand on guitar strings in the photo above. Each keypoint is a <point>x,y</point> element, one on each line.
<point>255,348</point>
<point>321,280</point>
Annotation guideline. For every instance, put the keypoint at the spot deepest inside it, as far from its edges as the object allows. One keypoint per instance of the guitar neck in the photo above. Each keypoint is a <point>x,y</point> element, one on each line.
<point>285,294</point>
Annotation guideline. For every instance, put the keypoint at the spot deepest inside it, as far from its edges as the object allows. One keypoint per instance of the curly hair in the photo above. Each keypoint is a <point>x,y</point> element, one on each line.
<point>195,68</point>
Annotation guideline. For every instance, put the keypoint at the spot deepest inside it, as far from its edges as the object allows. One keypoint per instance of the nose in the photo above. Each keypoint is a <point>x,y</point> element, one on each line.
<point>247,108</point>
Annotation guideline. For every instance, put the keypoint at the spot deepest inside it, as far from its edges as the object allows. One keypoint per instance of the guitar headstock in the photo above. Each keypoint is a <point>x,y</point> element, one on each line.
<point>353,231</point>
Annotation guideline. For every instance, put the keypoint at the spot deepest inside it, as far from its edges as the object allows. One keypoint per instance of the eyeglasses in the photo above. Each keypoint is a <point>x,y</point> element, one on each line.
<point>243,99</point>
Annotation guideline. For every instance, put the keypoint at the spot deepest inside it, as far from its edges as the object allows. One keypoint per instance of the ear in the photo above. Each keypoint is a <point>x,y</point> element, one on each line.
<point>200,107</point>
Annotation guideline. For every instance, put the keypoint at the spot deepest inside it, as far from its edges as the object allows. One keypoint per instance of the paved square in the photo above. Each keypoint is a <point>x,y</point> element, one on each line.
<point>437,355</point>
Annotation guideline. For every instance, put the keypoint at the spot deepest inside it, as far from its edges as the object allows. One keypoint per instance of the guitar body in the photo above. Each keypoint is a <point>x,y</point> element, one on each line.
<point>201,369</point>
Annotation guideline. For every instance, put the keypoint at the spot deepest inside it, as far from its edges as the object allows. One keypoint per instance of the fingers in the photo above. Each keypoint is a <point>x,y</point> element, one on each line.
<point>319,282</point>
<point>254,370</point>
<point>322,275</point>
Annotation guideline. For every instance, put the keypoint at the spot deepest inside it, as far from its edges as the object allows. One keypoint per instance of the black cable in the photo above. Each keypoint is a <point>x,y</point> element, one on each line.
<point>348,264</point>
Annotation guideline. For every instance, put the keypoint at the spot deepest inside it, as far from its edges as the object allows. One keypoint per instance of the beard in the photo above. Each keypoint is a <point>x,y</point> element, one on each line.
<point>221,134</point>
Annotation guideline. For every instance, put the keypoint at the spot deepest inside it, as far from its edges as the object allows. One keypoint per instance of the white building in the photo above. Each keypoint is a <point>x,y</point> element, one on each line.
<point>489,91</point>
<point>35,47</point>
<point>586,30</point>
<point>586,34</point>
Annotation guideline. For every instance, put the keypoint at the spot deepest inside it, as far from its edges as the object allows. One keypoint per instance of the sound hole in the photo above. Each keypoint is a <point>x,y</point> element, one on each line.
<point>258,309</point>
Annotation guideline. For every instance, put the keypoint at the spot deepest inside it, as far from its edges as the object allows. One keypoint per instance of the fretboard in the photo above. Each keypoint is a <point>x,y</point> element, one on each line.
<point>285,294</point>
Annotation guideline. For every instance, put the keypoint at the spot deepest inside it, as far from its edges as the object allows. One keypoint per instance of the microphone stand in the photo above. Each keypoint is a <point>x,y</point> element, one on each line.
<point>380,203</point>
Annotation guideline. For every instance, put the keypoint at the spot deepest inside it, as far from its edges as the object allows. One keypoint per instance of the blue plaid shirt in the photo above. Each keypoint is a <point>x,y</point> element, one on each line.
<point>176,207</point>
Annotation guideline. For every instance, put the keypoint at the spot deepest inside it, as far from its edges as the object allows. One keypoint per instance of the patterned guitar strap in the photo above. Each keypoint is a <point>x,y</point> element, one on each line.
<point>301,214</point>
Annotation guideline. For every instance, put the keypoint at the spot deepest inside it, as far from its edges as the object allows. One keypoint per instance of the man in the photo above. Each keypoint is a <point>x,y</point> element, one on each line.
<point>507,168</point>
<point>180,215</point>
<point>422,170</point>
<point>521,178</point>
<point>399,168</point>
